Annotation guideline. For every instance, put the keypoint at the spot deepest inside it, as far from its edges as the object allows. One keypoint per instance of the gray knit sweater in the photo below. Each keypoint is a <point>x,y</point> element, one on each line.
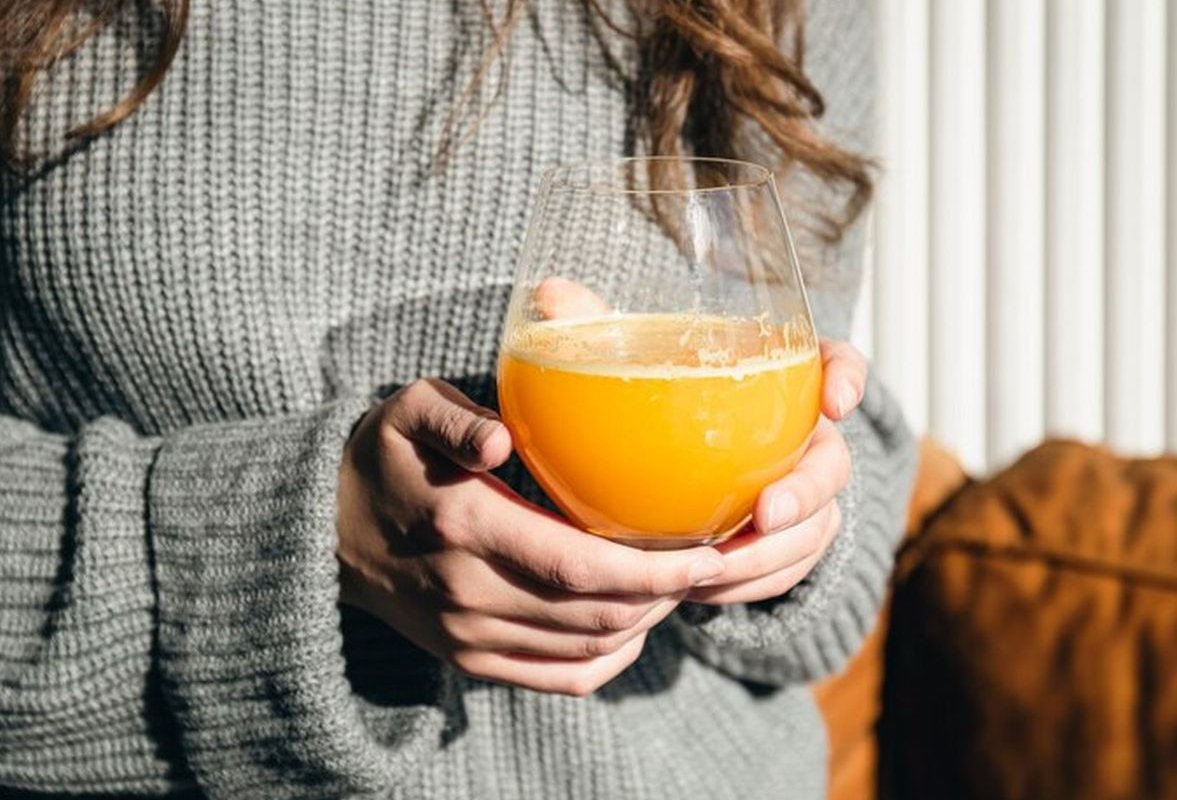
<point>195,309</point>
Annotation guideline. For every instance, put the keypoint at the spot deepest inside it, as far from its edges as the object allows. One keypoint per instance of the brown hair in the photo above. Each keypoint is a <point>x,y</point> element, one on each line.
<point>707,69</point>
<point>36,33</point>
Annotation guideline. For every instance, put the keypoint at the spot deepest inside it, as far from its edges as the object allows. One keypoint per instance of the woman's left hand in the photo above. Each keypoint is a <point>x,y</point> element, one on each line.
<point>796,518</point>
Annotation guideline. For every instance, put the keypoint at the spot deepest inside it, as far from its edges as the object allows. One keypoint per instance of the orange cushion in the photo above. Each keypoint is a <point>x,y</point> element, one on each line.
<point>1033,643</point>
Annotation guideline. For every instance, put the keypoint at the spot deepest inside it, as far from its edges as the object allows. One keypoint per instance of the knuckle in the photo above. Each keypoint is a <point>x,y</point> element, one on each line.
<point>407,398</point>
<point>596,675</point>
<point>615,618</point>
<point>597,646</point>
<point>413,390</point>
<point>649,582</point>
<point>450,518</point>
<point>568,573</point>
<point>452,426</point>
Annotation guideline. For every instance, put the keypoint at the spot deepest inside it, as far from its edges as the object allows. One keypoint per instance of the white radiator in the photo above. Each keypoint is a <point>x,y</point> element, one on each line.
<point>1022,276</point>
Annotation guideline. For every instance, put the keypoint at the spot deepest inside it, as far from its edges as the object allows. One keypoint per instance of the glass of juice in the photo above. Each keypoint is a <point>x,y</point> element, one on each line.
<point>659,365</point>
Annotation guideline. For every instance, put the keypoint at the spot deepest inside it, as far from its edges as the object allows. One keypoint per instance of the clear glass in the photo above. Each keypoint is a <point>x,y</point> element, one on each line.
<point>658,364</point>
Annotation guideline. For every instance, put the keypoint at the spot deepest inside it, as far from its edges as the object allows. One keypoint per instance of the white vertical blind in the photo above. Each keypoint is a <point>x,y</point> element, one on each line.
<point>1134,280</point>
<point>900,253</point>
<point>1024,267</point>
<point>958,227</point>
<point>1015,215</point>
<point>862,331</point>
<point>1074,219</point>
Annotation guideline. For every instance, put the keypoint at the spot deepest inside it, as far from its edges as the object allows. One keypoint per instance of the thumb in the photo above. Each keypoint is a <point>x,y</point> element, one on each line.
<point>434,413</point>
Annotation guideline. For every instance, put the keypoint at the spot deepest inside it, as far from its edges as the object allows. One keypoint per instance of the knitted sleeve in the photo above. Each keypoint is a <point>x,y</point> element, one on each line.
<point>168,614</point>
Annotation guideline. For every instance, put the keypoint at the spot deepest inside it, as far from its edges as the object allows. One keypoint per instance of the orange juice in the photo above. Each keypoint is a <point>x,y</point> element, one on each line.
<point>658,428</point>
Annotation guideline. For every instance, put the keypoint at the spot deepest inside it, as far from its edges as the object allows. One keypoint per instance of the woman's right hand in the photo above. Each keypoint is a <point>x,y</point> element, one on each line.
<point>465,568</point>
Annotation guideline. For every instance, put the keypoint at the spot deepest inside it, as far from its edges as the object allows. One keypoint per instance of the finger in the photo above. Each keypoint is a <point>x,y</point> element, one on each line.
<point>578,678</point>
<point>494,590</point>
<point>543,548</point>
<point>774,584</point>
<point>823,471</point>
<point>755,555</point>
<point>560,298</point>
<point>482,632</point>
<point>434,413</point>
<point>757,589</point>
<point>845,370</point>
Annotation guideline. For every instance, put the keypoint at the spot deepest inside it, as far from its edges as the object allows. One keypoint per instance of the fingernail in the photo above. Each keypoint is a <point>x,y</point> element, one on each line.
<point>782,511</point>
<point>847,397</point>
<point>705,569</point>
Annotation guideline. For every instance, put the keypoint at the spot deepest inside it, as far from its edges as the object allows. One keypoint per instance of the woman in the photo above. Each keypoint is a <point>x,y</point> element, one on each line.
<point>280,210</point>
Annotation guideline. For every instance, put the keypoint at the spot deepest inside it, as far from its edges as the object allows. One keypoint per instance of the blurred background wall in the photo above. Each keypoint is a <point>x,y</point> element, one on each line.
<point>1023,265</point>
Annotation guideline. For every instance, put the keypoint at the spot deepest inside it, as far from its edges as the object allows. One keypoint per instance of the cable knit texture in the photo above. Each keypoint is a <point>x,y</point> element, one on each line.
<point>194,311</point>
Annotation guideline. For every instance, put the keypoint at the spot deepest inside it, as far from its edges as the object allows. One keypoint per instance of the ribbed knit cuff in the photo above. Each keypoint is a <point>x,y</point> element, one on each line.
<point>243,519</point>
<point>79,709</point>
<point>813,630</point>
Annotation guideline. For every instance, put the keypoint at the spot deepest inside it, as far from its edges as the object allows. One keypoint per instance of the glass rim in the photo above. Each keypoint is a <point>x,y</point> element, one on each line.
<point>759,175</point>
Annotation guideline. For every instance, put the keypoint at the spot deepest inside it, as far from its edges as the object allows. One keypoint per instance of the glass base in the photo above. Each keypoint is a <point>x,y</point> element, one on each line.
<point>671,542</point>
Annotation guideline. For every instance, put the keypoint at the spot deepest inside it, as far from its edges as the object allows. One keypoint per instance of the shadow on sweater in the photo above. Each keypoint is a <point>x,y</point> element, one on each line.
<point>377,352</point>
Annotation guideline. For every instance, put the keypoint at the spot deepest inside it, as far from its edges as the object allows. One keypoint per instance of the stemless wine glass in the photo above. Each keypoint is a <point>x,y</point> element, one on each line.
<point>658,364</point>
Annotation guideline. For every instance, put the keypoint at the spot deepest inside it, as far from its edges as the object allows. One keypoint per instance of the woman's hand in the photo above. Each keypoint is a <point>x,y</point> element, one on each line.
<point>796,518</point>
<point>466,569</point>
